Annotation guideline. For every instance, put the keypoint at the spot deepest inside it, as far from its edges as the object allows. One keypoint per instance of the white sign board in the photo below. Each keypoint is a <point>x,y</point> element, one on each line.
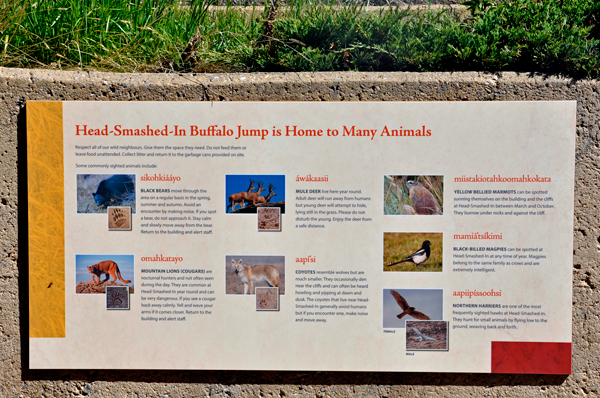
<point>386,236</point>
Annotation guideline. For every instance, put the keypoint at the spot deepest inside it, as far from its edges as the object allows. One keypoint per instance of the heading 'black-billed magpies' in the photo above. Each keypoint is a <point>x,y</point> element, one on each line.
<point>418,257</point>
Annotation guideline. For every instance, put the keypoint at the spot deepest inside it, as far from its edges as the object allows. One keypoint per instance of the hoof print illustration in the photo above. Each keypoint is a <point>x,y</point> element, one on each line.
<point>269,219</point>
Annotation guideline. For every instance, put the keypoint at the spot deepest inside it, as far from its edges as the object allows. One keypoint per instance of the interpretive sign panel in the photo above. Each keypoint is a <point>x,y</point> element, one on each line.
<point>301,236</point>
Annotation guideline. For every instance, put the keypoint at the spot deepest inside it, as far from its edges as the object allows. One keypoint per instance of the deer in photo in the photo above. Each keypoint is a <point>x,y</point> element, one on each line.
<point>266,199</point>
<point>253,196</point>
<point>240,197</point>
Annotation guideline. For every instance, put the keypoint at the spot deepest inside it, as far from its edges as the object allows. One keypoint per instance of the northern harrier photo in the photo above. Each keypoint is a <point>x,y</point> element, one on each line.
<point>407,310</point>
<point>405,305</point>
<point>421,336</point>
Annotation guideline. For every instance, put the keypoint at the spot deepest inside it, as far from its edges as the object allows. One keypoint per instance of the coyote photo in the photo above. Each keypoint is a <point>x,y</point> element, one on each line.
<point>249,274</point>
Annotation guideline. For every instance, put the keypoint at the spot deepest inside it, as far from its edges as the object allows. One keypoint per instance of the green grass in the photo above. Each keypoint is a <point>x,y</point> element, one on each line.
<point>398,245</point>
<point>159,35</point>
<point>114,35</point>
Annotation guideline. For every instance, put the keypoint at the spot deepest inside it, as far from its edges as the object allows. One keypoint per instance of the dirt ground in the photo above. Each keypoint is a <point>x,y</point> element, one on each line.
<point>234,285</point>
<point>435,329</point>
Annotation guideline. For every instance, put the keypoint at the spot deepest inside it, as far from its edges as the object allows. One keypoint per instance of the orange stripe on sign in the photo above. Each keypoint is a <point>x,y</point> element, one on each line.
<point>530,357</point>
<point>45,188</point>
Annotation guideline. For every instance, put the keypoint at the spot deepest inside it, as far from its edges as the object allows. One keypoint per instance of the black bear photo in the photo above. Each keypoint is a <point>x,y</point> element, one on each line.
<point>95,192</point>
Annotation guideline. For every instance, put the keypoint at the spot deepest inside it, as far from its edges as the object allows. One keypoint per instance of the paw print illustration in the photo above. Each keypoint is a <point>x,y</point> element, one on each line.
<point>118,217</point>
<point>117,297</point>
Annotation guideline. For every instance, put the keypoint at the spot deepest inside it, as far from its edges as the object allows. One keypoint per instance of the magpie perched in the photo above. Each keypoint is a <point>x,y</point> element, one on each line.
<point>418,257</point>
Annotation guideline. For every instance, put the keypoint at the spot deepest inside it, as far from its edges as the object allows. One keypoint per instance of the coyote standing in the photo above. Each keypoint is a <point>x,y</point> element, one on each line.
<point>255,273</point>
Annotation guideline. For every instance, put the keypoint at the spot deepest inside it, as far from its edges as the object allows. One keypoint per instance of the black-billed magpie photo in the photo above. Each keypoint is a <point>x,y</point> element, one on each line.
<point>418,257</point>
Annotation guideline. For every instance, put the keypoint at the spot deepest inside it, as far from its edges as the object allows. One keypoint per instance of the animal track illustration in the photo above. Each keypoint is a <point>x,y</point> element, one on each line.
<point>119,219</point>
<point>269,219</point>
<point>267,299</point>
<point>117,298</point>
